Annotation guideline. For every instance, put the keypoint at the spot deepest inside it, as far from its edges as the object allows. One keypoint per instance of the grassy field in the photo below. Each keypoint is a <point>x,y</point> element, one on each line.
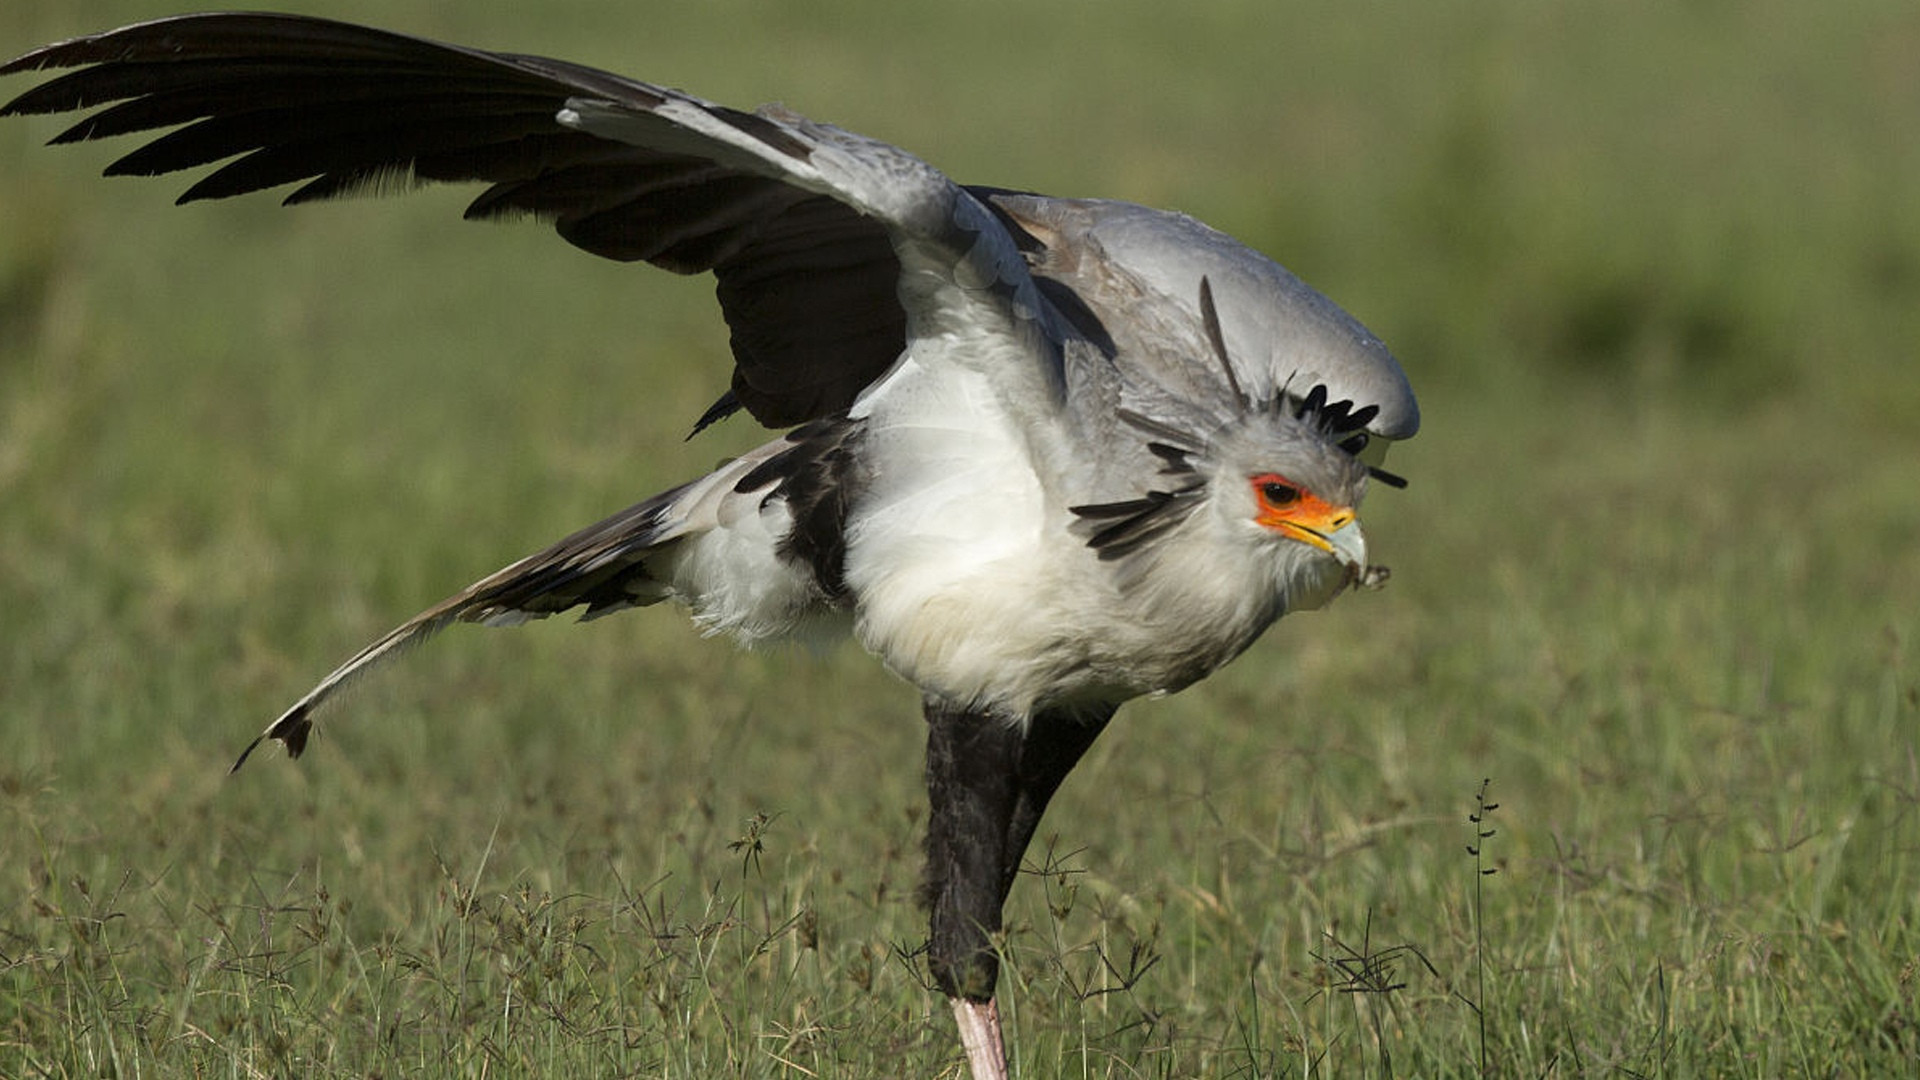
<point>1653,268</point>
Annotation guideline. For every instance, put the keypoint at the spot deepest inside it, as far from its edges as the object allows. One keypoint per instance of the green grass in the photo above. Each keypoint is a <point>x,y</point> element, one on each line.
<point>1653,269</point>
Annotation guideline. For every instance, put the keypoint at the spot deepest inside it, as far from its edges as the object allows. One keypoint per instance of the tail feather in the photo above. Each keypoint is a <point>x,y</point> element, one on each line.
<point>629,560</point>
<point>293,726</point>
<point>602,567</point>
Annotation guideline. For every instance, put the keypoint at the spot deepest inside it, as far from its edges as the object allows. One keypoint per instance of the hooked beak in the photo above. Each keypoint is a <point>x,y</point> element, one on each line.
<point>1333,529</point>
<point>1346,543</point>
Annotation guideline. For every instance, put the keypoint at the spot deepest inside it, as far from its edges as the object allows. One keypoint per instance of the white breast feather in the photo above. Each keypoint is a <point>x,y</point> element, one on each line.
<point>950,560</point>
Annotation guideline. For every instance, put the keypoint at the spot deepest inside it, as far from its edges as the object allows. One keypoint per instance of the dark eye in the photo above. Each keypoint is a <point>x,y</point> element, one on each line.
<point>1278,494</point>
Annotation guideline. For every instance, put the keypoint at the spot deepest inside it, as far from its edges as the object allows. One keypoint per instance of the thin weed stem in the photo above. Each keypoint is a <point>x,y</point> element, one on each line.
<point>1482,832</point>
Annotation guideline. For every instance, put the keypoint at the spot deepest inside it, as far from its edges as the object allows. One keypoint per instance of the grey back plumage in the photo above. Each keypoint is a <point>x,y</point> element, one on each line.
<point>1279,331</point>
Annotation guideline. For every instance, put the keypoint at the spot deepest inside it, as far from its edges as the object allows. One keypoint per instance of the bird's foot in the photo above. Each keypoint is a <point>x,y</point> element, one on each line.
<point>979,1023</point>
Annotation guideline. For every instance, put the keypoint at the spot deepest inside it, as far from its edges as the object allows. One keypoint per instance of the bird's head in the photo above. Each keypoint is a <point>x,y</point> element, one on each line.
<point>1280,478</point>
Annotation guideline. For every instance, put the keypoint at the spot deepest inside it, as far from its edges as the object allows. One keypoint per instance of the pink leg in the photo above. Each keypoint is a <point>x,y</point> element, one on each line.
<point>979,1023</point>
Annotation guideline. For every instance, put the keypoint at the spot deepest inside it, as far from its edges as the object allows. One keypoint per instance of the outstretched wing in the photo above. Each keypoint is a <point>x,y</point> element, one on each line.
<point>804,226</point>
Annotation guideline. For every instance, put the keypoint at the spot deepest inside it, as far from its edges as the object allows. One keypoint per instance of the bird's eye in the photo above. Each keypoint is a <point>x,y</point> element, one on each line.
<point>1276,492</point>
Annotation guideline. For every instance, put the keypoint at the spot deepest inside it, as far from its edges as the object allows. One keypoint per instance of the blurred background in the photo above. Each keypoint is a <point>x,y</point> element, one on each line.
<point>1652,268</point>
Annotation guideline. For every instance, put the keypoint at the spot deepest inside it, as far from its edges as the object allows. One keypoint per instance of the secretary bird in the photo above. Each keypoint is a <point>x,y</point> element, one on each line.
<point>1046,455</point>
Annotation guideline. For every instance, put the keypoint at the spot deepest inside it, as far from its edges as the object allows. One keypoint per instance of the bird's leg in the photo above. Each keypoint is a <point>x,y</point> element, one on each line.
<point>1054,744</point>
<point>979,1024</point>
<point>973,762</point>
<point>989,779</point>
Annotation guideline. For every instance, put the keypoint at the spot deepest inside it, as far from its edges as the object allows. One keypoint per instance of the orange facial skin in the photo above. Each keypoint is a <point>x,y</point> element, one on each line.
<point>1295,512</point>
